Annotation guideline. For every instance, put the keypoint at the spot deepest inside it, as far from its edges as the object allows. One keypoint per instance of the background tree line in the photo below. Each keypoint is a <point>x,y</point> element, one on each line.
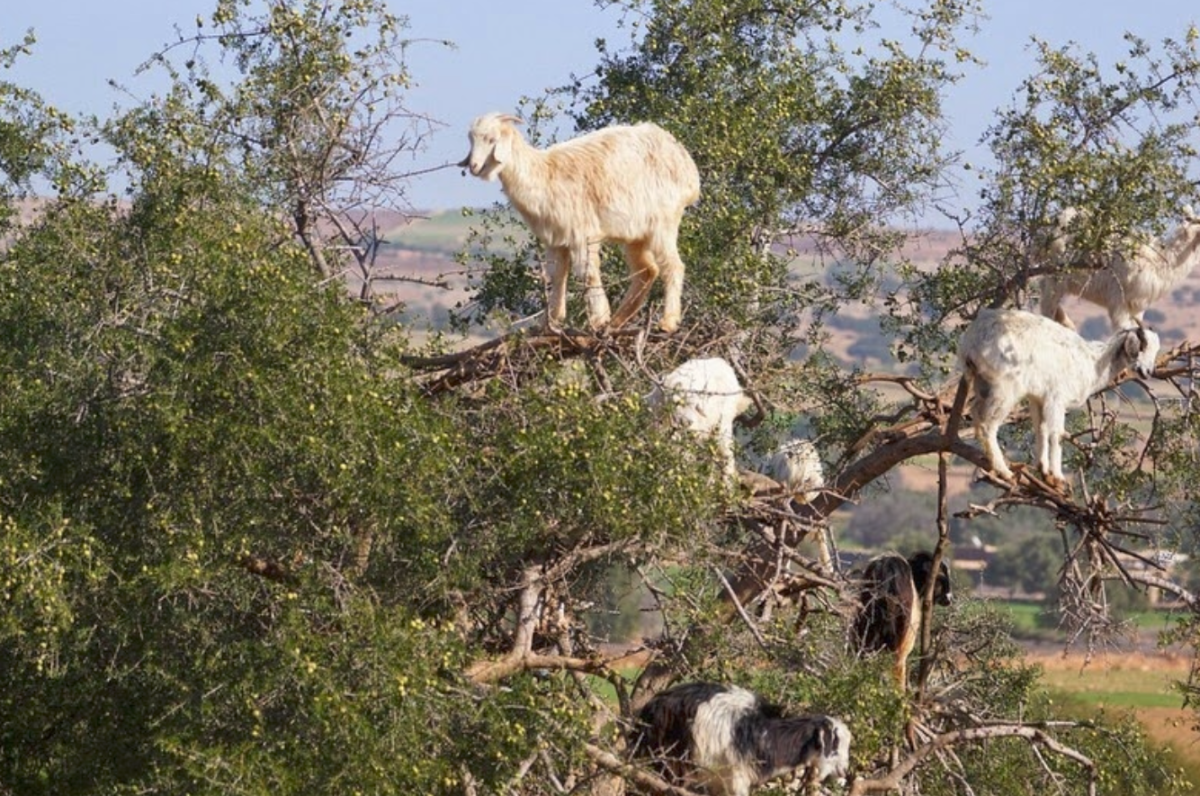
<point>256,541</point>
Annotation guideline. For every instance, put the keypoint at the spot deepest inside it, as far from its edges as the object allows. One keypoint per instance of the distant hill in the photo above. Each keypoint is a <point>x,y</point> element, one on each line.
<point>443,232</point>
<point>426,245</point>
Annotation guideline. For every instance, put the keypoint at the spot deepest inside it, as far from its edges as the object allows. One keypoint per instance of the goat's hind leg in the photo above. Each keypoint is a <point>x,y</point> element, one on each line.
<point>643,270</point>
<point>988,416</point>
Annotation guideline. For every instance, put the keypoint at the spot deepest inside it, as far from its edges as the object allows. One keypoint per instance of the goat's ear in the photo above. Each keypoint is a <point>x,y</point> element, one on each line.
<point>827,740</point>
<point>502,151</point>
<point>1135,342</point>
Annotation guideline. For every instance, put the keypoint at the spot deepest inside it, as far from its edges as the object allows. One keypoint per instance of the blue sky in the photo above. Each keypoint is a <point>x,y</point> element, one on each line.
<point>506,50</point>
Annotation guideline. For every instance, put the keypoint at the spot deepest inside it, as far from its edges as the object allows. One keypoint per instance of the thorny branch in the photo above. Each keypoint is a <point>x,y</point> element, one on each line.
<point>932,422</point>
<point>1035,735</point>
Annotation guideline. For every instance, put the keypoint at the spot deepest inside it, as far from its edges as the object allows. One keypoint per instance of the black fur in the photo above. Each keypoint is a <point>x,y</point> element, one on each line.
<point>781,745</point>
<point>890,595</point>
<point>664,727</point>
<point>921,564</point>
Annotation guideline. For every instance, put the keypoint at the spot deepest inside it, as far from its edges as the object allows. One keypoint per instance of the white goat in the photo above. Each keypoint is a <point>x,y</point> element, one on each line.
<point>796,465</point>
<point>705,396</point>
<point>1010,355</point>
<point>624,184</point>
<point>1124,282</point>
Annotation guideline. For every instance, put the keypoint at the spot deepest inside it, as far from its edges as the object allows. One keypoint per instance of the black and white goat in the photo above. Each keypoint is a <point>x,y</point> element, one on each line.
<point>889,615</point>
<point>726,740</point>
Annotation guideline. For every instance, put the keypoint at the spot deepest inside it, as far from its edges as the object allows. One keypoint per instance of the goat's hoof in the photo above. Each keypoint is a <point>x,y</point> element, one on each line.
<point>911,728</point>
<point>1058,484</point>
<point>1002,476</point>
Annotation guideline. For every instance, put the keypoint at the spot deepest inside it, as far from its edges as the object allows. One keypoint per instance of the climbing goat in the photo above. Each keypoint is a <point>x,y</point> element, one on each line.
<point>1011,355</point>
<point>726,740</point>
<point>625,184</point>
<point>796,465</point>
<point>1124,282</point>
<point>889,614</point>
<point>705,396</point>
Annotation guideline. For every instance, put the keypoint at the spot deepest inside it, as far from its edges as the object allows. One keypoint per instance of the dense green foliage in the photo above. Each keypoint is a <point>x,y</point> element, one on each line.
<point>249,545</point>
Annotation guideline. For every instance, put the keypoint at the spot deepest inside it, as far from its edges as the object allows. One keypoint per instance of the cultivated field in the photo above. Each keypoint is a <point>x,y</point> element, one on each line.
<point>1140,683</point>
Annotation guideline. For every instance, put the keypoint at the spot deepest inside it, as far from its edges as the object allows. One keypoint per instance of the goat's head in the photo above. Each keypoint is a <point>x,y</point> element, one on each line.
<point>1140,349</point>
<point>922,570</point>
<point>491,138</point>
<point>834,744</point>
<point>816,743</point>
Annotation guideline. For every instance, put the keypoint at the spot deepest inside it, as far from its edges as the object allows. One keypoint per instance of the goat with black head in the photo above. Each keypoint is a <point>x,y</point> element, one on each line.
<point>889,615</point>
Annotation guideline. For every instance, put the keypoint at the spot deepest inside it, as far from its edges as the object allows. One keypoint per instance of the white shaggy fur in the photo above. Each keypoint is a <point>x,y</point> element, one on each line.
<point>1124,282</point>
<point>712,739</point>
<point>705,396</point>
<point>625,184</point>
<point>1010,355</point>
<point>796,465</point>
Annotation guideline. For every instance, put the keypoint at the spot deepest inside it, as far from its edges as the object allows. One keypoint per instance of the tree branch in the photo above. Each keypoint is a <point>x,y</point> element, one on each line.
<point>1033,734</point>
<point>645,779</point>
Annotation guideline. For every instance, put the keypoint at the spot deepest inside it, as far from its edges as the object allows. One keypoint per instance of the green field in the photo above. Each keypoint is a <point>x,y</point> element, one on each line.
<point>1107,685</point>
<point>442,232</point>
<point>1031,621</point>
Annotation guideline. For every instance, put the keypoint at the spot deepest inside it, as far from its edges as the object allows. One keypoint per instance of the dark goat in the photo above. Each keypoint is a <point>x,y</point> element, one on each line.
<point>889,617</point>
<point>727,740</point>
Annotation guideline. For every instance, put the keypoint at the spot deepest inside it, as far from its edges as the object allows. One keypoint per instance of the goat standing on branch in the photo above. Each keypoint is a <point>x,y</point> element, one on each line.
<point>889,616</point>
<point>727,740</point>
<point>624,184</point>
<point>705,396</point>
<point>1010,355</point>
<point>1124,282</point>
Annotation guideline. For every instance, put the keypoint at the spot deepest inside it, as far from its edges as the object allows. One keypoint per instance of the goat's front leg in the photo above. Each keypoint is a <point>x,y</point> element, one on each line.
<point>672,276</point>
<point>1051,430</point>
<point>1041,439</point>
<point>598,311</point>
<point>558,267</point>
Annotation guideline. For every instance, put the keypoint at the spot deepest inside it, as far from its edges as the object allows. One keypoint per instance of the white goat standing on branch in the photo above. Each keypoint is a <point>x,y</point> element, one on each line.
<point>624,184</point>
<point>705,396</point>
<point>1010,355</point>
<point>1124,282</point>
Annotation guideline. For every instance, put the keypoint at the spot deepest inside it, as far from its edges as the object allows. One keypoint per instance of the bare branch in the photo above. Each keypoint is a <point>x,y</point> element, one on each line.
<point>645,779</point>
<point>1031,733</point>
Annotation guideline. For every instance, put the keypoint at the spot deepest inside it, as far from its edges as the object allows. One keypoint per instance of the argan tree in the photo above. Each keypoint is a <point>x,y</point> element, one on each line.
<point>252,542</point>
